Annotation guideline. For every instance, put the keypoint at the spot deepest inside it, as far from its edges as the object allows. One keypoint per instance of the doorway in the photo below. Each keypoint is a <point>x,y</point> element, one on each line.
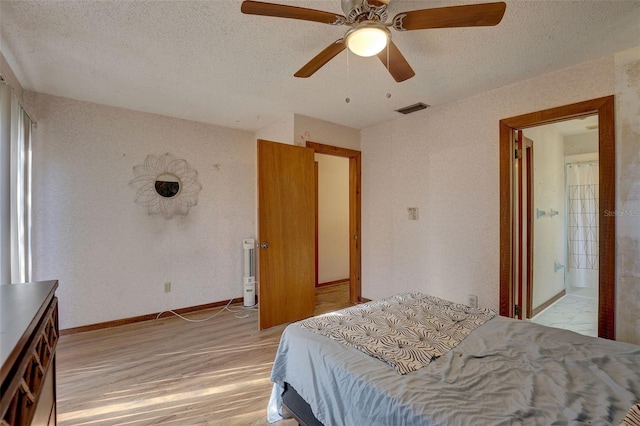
<point>516,262</point>
<point>562,224</point>
<point>286,229</point>
<point>332,225</point>
<point>354,209</point>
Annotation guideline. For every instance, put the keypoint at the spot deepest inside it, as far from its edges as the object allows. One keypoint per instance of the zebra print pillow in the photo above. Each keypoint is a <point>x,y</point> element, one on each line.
<point>406,331</point>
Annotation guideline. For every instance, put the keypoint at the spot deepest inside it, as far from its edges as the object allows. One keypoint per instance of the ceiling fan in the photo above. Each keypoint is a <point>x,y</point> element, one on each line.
<point>369,34</point>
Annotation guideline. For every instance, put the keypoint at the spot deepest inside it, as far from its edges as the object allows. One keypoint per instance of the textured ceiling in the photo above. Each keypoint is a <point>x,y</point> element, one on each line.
<point>208,62</point>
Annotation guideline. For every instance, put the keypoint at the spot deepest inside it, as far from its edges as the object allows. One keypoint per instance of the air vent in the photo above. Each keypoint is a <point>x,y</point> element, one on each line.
<point>412,108</point>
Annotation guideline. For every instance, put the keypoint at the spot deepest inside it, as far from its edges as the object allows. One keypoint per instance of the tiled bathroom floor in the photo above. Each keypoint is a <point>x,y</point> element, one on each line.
<point>571,312</point>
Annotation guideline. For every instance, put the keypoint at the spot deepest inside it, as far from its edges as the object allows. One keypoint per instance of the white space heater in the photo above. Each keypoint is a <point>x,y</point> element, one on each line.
<point>249,280</point>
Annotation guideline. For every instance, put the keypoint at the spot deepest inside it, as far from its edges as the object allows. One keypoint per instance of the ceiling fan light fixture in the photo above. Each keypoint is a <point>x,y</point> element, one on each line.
<point>368,39</point>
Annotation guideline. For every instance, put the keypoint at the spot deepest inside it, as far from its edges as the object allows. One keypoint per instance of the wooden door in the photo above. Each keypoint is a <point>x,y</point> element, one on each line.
<point>286,227</point>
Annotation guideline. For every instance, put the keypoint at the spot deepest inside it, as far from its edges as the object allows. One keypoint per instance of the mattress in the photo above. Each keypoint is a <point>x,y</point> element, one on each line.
<point>504,372</point>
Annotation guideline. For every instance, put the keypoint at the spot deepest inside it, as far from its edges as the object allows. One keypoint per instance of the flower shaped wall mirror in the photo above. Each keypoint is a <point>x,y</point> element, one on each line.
<point>166,185</point>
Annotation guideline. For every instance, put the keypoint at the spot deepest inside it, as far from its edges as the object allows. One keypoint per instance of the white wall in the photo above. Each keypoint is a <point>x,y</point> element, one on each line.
<point>380,218</point>
<point>628,195</point>
<point>333,218</point>
<point>314,130</point>
<point>280,131</point>
<point>581,144</point>
<point>110,256</point>
<point>445,161</point>
<point>10,77</point>
<point>297,129</point>
<point>548,231</point>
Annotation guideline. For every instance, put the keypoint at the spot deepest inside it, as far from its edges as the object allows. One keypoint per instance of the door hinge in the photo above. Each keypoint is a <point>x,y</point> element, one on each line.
<point>516,311</point>
<point>518,153</point>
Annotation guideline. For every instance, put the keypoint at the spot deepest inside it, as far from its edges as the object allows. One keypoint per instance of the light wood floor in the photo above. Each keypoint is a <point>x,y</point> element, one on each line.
<point>173,372</point>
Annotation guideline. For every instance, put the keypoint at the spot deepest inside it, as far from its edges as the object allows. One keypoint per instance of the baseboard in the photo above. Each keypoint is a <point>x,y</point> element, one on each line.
<point>546,304</point>
<point>328,283</point>
<point>147,317</point>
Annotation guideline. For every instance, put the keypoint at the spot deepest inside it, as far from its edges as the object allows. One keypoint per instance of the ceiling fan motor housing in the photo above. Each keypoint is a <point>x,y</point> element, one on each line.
<point>361,10</point>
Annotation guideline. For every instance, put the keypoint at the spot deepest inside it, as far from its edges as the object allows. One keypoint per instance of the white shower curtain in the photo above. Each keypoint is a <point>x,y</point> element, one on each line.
<point>582,224</point>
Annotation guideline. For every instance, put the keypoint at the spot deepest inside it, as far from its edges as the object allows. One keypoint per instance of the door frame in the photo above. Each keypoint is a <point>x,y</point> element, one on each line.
<point>528,153</point>
<point>355,208</point>
<point>604,107</point>
<point>525,209</point>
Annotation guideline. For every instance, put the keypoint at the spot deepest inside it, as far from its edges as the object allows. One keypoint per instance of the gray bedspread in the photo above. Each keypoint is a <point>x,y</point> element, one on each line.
<point>506,372</point>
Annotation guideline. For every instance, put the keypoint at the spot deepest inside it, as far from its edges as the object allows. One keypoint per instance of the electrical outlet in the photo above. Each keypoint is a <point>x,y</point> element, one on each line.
<point>473,301</point>
<point>413,213</point>
<point>167,287</point>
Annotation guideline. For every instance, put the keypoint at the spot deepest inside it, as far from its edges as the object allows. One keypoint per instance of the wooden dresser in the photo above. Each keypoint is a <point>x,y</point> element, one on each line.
<point>28,338</point>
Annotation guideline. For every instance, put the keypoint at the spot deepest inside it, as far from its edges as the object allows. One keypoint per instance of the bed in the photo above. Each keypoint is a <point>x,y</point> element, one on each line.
<point>489,370</point>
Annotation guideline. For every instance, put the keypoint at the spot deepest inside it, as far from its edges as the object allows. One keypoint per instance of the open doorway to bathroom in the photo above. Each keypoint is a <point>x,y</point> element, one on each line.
<point>564,198</point>
<point>517,241</point>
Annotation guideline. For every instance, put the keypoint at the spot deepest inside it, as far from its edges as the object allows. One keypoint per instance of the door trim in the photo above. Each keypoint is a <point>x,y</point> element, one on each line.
<point>524,148</point>
<point>519,281</point>
<point>528,149</point>
<point>355,208</point>
<point>604,107</point>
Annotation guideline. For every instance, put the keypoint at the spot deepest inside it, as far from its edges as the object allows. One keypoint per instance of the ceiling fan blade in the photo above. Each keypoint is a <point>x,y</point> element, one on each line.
<point>321,59</point>
<point>472,15</point>
<point>283,11</point>
<point>397,65</point>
